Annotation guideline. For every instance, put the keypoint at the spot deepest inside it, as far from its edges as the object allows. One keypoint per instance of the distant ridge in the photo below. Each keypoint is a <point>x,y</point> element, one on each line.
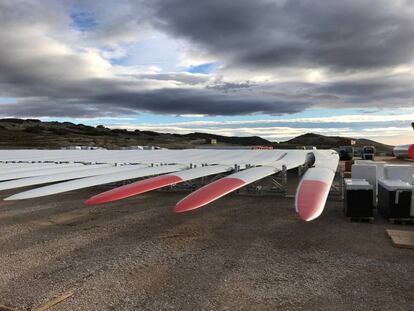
<point>326,142</point>
<point>32,133</point>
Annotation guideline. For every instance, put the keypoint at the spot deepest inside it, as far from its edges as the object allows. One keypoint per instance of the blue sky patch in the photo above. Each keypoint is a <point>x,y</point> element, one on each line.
<point>83,20</point>
<point>7,100</point>
<point>204,68</point>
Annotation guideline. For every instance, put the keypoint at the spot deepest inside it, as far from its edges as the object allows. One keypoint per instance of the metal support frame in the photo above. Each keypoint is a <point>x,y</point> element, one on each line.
<point>337,188</point>
<point>272,185</point>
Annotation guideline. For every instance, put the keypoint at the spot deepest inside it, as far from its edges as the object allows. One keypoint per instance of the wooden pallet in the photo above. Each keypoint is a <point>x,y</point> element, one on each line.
<point>401,238</point>
<point>401,221</point>
<point>361,219</point>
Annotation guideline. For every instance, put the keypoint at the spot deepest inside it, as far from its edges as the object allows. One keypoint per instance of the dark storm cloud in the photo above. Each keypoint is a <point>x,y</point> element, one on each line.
<point>188,101</point>
<point>111,97</point>
<point>49,78</point>
<point>173,101</point>
<point>395,91</point>
<point>340,34</point>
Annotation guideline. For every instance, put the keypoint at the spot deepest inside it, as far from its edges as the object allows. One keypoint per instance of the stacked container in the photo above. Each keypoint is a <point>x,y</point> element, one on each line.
<point>358,201</point>
<point>394,198</point>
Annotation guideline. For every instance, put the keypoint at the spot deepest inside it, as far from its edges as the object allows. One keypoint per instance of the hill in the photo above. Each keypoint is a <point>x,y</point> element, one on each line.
<point>327,142</point>
<point>30,133</point>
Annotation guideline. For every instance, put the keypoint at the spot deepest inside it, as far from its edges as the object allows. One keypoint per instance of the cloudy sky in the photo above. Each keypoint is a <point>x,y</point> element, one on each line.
<point>274,68</point>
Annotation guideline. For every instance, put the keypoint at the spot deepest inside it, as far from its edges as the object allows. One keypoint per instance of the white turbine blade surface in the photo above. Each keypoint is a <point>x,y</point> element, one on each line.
<point>45,171</point>
<point>27,165</point>
<point>93,171</point>
<point>197,157</point>
<point>34,167</point>
<point>201,172</point>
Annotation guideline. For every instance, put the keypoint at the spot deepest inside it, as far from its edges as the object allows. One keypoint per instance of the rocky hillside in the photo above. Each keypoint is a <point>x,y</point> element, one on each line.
<point>18,133</point>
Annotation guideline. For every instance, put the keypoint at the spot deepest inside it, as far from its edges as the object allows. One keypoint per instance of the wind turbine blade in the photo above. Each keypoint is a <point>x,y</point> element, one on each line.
<point>313,189</point>
<point>94,170</point>
<point>223,186</point>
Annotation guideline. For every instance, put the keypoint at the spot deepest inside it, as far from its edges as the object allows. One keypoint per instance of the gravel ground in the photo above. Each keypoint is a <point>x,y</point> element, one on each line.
<point>239,253</point>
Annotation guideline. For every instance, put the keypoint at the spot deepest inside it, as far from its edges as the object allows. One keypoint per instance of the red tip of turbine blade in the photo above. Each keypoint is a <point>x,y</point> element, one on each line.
<point>134,189</point>
<point>411,152</point>
<point>208,194</point>
<point>311,199</point>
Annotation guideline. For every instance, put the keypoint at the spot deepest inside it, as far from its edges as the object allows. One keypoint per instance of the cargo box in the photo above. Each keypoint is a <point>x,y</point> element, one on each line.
<point>394,198</point>
<point>358,198</point>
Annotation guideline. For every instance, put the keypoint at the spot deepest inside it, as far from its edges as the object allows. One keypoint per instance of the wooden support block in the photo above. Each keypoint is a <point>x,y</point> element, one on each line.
<point>401,238</point>
<point>348,165</point>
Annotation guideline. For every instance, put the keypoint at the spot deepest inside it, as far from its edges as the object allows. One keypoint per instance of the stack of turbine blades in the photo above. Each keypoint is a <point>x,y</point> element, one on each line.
<point>95,181</point>
<point>87,171</point>
<point>156,183</point>
<point>29,172</point>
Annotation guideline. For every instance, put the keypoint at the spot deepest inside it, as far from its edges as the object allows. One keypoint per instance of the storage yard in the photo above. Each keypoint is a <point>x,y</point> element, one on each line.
<point>206,155</point>
<point>241,252</point>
